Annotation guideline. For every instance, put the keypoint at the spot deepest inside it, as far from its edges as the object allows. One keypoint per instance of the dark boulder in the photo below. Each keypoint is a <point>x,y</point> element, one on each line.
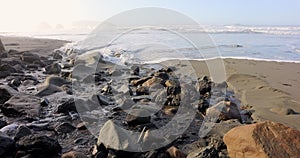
<point>2,123</point>
<point>39,146</point>
<point>22,131</point>
<point>54,68</point>
<point>66,107</point>
<point>21,104</point>
<point>7,146</point>
<point>138,116</point>
<point>204,85</point>
<point>31,58</point>
<point>57,55</point>
<point>64,127</point>
<point>6,93</point>
<point>135,70</point>
<point>2,49</point>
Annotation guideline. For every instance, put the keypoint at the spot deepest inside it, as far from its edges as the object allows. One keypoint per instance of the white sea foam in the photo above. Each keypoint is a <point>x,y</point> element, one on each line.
<point>267,43</point>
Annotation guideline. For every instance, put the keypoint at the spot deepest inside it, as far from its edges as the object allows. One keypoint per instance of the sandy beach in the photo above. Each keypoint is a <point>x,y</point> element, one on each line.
<point>270,87</point>
<point>42,46</point>
<point>271,90</point>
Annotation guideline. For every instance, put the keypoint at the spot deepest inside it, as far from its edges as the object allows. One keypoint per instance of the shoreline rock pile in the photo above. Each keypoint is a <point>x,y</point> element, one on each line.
<point>47,110</point>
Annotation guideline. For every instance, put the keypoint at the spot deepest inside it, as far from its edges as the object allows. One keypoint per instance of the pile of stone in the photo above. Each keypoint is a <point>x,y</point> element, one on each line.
<point>130,109</point>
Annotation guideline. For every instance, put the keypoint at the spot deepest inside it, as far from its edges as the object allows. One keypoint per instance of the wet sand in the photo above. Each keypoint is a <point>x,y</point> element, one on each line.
<point>271,88</point>
<point>42,46</point>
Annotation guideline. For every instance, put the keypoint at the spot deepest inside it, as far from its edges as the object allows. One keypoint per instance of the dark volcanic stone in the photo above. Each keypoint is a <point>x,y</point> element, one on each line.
<point>7,146</point>
<point>53,69</point>
<point>4,74</point>
<point>66,107</point>
<point>64,128</point>
<point>21,104</point>
<point>45,102</point>
<point>6,67</point>
<point>22,131</point>
<point>135,70</point>
<point>30,57</point>
<point>2,123</point>
<point>6,93</point>
<point>39,146</point>
<point>15,82</point>
<point>2,49</point>
<point>204,85</point>
<point>57,55</point>
<point>32,67</point>
<point>138,116</point>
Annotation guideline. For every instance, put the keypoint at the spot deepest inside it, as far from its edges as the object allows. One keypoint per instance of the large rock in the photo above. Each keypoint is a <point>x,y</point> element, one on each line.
<point>9,68</point>
<point>22,131</point>
<point>6,93</point>
<point>67,107</point>
<point>2,123</point>
<point>54,68</point>
<point>29,57</point>
<point>39,146</point>
<point>57,55</point>
<point>2,49</point>
<point>138,116</point>
<point>48,90</point>
<point>204,85</point>
<point>7,146</point>
<point>223,111</point>
<point>116,137</point>
<point>64,128</point>
<point>51,85</point>
<point>263,140</point>
<point>21,104</point>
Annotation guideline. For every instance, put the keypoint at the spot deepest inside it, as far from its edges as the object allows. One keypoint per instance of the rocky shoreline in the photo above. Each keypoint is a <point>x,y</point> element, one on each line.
<point>59,106</point>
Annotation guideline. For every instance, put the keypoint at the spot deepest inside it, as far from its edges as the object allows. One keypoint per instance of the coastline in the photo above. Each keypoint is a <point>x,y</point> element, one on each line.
<point>39,45</point>
<point>270,87</point>
<point>267,89</point>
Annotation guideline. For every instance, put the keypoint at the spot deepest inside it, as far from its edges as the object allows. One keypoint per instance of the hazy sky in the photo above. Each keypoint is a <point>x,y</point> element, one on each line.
<point>27,14</point>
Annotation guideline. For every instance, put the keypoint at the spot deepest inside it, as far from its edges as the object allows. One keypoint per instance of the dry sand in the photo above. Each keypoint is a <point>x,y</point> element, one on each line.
<point>43,46</point>
<point>271,88</point>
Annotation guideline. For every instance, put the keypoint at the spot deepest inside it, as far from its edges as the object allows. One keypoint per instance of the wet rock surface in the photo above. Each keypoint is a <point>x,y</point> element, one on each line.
<point>7,146</point>
<point>21,104</point>
<point>38,146</point>
<point>56,106</point>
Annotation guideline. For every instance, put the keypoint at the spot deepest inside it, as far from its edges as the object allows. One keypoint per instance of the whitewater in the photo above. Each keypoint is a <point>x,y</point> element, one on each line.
<point>268,43</point>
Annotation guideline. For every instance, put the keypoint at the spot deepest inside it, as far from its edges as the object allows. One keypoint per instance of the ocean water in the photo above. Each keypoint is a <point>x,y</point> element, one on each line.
<point>274,43</point>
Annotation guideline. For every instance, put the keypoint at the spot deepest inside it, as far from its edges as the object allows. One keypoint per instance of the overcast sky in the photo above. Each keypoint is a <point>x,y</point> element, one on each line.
<point>27,14</point>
